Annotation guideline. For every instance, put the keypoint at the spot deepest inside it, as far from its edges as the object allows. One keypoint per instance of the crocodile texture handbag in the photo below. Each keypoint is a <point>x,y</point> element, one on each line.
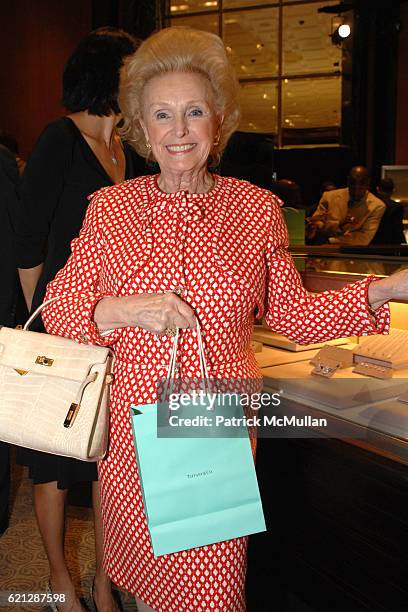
<point>54,393</point>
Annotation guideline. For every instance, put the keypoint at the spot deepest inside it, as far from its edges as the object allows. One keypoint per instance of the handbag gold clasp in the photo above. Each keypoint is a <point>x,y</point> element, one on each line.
<point>71,415</point>
<point>43,360</point>
<point>109,379</point>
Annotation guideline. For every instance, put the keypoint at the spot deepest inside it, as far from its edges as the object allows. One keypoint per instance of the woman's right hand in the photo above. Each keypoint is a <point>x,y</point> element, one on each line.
<point>155,312</point>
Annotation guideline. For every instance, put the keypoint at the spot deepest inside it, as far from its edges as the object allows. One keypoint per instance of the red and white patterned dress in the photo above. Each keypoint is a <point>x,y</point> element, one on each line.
<point>227,250</point>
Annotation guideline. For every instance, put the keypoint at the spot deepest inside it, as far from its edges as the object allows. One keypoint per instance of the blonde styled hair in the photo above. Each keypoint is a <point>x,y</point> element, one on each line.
<point>179,49</point>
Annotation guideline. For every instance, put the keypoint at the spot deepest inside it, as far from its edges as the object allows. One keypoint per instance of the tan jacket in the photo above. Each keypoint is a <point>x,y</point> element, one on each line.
<point>366,216</point>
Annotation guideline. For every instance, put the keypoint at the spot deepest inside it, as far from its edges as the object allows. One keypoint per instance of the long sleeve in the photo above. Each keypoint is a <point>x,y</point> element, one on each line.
<point>313,317</point>
<point>331,222</point>
<point>322,207</point>
<point>10,191</point>
<point>364,235</point>
<point>78,284</point>
<point>42,185</point>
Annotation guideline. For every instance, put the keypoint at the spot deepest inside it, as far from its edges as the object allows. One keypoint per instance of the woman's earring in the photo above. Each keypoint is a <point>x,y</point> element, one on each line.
<point>216,140</point>
<point>148,145</point>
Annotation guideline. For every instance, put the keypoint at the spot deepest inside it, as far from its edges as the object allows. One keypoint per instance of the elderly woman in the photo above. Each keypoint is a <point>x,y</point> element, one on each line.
<point>158,250</point>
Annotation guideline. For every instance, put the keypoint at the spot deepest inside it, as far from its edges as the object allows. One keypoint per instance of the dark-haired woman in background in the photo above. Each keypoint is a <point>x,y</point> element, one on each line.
<point>75,156</point>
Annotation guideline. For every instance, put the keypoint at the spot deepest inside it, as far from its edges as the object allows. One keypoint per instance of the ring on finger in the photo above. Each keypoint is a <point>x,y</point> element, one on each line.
<point>171,331</point>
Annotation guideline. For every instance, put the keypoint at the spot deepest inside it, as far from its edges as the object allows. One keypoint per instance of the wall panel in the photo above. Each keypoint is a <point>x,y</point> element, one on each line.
<point>401,156</point>
<point>37,39</point>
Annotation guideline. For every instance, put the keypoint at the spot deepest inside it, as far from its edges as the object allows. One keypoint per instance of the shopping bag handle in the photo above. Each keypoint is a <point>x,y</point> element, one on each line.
<point>168,385</point>
<point>173,355</point>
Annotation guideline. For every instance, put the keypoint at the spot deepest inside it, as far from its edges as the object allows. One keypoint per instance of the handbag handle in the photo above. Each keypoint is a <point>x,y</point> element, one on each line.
<point>41,307</point>
<point>38,310</point>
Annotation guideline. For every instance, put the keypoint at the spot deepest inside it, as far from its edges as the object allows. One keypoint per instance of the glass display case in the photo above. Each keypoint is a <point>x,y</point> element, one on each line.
<point>399,175</point>
<point>328,267</point>
<point>379,424</point>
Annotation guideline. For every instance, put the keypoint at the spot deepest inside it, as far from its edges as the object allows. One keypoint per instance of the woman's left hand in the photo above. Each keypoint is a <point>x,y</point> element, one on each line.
<point>394,287</point>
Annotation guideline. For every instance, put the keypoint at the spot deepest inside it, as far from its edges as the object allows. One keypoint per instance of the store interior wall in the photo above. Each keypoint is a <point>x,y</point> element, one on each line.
<point>38,38</point>
<point>401,153</point>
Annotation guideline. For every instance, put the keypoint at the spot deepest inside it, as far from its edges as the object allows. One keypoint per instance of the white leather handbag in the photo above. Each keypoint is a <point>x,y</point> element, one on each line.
<point>54,393</point>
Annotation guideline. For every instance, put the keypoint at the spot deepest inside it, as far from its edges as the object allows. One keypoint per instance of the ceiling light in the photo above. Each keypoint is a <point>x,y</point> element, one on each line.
<point>181,7</point>
<point>344,30</point>
<point>341,30</point>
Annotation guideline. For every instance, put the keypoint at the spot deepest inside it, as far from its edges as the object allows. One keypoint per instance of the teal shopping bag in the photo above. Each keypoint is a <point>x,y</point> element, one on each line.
<point>196,490</point>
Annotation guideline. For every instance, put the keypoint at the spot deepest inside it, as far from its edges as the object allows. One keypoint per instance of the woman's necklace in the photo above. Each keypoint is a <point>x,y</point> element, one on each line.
<point>111,151</point>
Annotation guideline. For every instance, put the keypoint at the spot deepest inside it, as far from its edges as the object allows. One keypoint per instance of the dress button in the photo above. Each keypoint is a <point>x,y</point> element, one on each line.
<point>83,338</point>
<point>179,291</point>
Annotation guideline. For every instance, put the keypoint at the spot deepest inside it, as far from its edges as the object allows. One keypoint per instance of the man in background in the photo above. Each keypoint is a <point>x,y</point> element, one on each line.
<point>391,226</point>
<point>349,216</point>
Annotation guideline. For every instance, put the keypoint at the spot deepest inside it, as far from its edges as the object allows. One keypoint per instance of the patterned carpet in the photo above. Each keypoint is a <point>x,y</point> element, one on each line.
<point>23,563</point>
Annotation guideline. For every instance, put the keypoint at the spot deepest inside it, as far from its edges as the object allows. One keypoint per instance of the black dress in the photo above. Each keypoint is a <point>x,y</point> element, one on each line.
<point>9,206</point>
<point>9,184</point>
<point>61,172</point>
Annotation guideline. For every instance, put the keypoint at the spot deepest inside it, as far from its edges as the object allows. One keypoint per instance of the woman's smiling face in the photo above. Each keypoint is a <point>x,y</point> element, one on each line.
<point>179,120</point>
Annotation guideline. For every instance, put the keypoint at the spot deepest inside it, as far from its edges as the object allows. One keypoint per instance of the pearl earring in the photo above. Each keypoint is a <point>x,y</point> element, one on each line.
<point>148,145</point>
